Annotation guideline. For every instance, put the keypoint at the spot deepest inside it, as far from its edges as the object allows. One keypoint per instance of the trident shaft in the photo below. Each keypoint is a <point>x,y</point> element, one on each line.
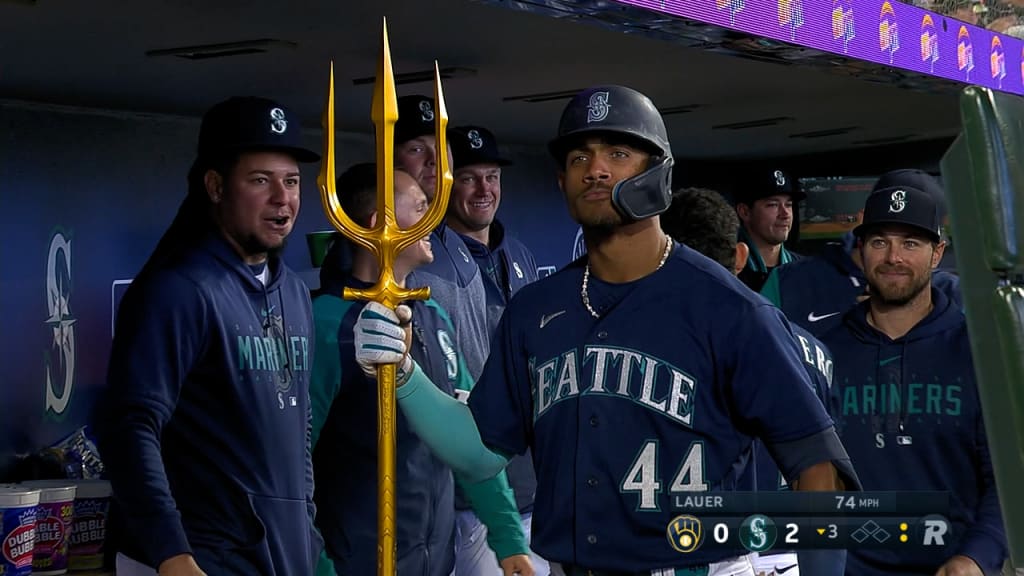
<point>385,240</point>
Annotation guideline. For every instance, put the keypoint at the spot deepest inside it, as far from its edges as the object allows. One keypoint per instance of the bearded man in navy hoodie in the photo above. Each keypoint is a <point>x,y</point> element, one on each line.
<point>207,423</point>
<point>909,409</point>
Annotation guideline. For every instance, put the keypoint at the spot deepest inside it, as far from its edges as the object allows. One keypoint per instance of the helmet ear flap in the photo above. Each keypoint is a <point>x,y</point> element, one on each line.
<point>646,194</point>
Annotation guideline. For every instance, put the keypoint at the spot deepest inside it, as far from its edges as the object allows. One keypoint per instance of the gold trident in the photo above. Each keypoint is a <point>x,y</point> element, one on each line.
<point>385,240</point>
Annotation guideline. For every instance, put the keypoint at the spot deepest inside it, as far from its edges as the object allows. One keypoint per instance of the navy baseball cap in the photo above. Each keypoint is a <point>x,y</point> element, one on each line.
<point>754,185</point>
<point>474,145</point>
<point>248,123</point>
<point>901,205</point>
<point>415,118</point>
<point>918,179</point>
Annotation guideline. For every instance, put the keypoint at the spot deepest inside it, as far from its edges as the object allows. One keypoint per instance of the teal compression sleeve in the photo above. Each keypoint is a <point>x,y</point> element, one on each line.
<point>447,427</point>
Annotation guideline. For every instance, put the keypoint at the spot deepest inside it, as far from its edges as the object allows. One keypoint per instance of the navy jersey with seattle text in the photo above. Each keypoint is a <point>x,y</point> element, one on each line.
<point>818,364</point>
<point>658,398</point>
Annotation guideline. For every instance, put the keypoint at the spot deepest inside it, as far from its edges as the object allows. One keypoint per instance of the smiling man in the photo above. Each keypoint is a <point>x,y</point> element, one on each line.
<point>909,409</point>
<point>506,265</point>
<point>815,292</point>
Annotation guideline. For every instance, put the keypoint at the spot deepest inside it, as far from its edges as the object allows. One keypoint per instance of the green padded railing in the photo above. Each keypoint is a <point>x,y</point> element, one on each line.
<point>983,173</point>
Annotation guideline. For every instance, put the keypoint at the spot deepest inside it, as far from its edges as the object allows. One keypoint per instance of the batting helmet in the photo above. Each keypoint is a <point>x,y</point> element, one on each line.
<point>622,111</point>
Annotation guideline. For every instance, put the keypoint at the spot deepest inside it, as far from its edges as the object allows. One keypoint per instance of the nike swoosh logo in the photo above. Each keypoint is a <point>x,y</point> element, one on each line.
<point>890,360</point>
<point>781,571</point>
<point>812,318</point>
<point>549,317</point>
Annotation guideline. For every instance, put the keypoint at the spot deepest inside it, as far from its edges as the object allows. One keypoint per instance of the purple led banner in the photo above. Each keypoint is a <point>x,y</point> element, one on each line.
<point>886,32</point>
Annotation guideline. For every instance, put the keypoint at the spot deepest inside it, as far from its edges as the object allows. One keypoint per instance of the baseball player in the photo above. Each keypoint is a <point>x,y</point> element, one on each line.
<point>453,277</point>
<point>704,221</point>
<point>344,409</point>
<point>506,265</point>
<point>622,417</point>
<point>815,292</point>
<point>205,430</point>
<point>766,205</point>
<point>911,415</point>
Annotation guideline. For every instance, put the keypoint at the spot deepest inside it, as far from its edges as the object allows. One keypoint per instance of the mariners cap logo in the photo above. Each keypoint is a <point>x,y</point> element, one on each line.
<point>278,123</point>
<point>897,201</point>
<point>597,109</point>
<point>780,178</point>
<point>426,111</point>
<point>475,141</point>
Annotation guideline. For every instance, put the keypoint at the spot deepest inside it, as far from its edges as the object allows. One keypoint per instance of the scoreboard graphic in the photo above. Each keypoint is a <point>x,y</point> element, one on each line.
<point>763,521</point>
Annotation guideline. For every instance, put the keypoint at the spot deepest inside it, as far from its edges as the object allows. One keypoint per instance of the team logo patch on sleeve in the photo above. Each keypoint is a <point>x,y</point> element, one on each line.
<point>451,359</point>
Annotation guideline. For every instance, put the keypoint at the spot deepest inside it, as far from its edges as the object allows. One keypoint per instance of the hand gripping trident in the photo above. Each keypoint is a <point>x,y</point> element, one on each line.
<point>385,240</point>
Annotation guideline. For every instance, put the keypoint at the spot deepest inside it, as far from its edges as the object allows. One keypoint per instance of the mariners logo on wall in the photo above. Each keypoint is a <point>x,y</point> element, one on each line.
<point>59,359</point>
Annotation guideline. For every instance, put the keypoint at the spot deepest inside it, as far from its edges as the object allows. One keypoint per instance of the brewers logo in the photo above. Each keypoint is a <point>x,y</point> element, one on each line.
<point>685,533</point>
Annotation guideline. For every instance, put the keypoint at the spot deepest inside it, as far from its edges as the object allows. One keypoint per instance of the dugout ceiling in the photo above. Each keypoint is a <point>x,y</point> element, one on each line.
<point>751,98</point>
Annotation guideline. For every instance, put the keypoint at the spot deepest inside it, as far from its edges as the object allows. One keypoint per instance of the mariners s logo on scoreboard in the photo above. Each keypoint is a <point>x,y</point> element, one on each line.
<point>758,533</point>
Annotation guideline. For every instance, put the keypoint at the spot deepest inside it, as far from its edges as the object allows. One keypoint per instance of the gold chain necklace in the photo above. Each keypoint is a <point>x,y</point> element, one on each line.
<point>584,293</point>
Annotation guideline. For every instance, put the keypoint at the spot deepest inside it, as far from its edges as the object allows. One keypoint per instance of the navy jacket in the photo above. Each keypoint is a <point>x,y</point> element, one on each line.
<point>205,431</point>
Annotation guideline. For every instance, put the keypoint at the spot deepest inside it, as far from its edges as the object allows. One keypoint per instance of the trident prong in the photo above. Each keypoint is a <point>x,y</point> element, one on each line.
<point>385,240</point>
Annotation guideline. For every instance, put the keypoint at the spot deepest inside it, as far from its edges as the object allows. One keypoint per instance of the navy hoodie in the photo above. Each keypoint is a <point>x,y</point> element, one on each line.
<point>815,292</point>
<point>345,448</point>
<point>206,427</point>
<point>506,268</point>
<point>911,420</point>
